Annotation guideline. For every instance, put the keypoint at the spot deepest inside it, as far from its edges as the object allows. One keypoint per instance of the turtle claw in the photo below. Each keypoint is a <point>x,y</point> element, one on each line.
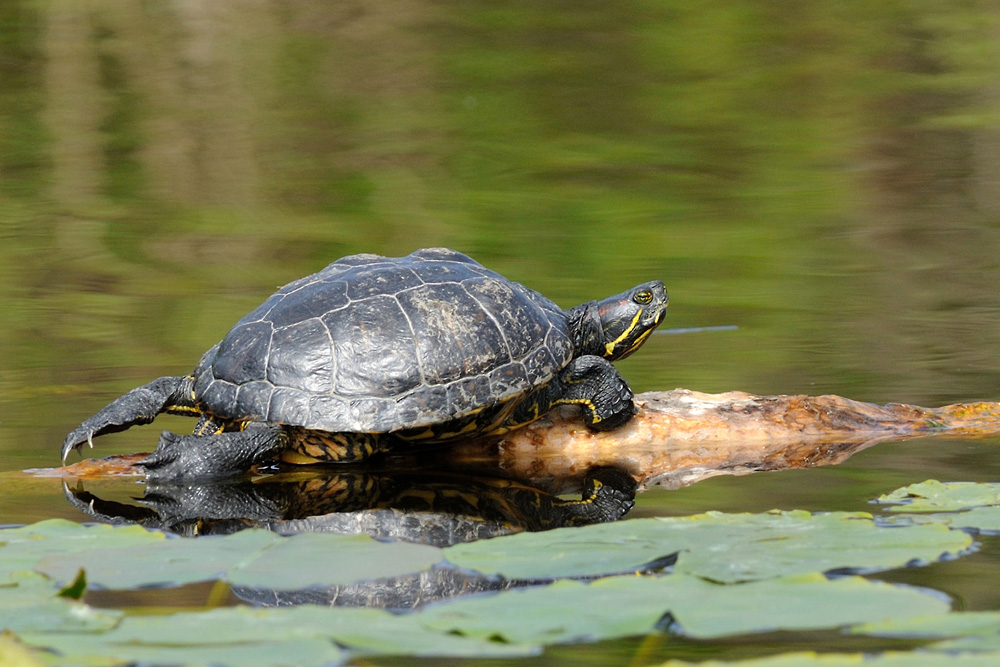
<point>138,406</point>
<point>75,440</point>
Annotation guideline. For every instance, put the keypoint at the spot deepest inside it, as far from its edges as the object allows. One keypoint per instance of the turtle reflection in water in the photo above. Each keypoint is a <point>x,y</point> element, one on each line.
<point>437,509</point>
<point>373,351</point>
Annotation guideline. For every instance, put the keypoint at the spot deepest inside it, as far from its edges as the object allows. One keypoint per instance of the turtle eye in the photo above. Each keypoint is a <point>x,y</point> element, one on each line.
<point>643,297</point>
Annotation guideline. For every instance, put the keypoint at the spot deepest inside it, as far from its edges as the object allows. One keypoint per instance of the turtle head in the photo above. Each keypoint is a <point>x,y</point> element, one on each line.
<point>628,318</point>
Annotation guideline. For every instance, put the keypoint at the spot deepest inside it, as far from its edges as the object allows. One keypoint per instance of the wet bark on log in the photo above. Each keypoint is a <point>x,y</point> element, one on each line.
<point>680,437</point>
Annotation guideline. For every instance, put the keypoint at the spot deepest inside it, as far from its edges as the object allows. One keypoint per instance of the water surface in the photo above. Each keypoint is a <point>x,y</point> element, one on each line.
<point>822,175</point>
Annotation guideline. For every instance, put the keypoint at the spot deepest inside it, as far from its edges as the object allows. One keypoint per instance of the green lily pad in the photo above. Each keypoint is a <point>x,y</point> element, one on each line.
<point>935,496</point>
<point>310,635</point>
<point>980,519</point>
<point>75,650</point>
<point>30,603</point>
<point>959,631</point>
<point>629,605</point>
<point>312,559</point>
<point>968,643</point>
<point>21,548</point>
<point>172,562</point>
<point>248,558</point>
<point>721,547</point>
<point>953,624</point>
<point>887,659</point>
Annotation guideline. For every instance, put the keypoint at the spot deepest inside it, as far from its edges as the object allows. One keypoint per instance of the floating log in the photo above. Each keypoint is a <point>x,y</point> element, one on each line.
<point>680,437</point>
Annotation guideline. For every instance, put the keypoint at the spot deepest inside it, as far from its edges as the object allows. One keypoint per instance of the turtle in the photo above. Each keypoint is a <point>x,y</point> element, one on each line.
<point>373,352</point>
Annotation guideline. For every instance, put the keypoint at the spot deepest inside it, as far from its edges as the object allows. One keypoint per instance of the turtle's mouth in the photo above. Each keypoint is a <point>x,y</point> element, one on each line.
<point>659,316</point>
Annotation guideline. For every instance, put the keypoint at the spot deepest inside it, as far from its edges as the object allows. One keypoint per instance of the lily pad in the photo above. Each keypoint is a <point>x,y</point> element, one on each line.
<point>953,624</point>
<point>720,547</point>
<point>959,631</point>
<point>311,559</point>
<point>30,603</point>
<point>173,562</point>
<point>248,558</point>
<point>887,659</point>
<point>309,634</point>
<point>13,654</point>
<point>629,605</point>
<point>75,650</point>
<point>979,519</point>
<point>935,496</point>
<point>21,548</point>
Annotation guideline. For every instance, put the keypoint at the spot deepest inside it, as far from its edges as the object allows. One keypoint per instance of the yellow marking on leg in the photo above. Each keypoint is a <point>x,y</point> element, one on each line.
<point>182,410</point>
<point>610,347</point>
<point>587,403</point>
<point>206,429</point>
<point>590,497</point>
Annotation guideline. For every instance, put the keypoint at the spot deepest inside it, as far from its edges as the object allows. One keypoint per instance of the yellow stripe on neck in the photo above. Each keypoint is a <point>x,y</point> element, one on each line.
<point>610,347</point>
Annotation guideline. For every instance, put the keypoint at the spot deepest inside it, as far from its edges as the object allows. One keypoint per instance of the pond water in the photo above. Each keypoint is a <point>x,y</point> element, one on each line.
<point>824,176</point>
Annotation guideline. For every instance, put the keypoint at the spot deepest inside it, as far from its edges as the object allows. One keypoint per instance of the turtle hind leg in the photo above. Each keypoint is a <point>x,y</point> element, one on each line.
<point>608,495</point>
<point>138,406</point>
<point>589,381</point>
<point>214,456</point>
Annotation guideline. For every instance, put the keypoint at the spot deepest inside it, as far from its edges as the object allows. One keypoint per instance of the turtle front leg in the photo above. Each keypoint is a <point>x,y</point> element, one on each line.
<point>138,406</point>
<point>608,495</point>
<point>590,382</point>
<point>193,457</point>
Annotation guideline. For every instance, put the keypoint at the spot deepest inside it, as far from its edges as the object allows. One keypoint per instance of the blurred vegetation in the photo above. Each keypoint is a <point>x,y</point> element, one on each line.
<point>822,174</point>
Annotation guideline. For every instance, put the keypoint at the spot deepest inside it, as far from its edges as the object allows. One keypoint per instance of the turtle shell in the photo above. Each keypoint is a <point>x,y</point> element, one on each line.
<point>377,344</point>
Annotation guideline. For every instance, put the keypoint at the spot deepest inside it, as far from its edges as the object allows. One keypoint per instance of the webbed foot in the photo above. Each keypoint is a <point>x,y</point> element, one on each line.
<point>608,495</point>
<point>596,385</point>
<point>200,457</point>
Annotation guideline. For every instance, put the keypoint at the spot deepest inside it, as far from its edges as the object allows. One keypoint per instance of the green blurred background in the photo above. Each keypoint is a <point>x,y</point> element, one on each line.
<point>822,174</point>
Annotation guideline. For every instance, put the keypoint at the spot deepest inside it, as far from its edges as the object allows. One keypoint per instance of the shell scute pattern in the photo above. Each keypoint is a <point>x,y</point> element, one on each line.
<point>525,320</point>
<point>219,397</point>
<point>300,358</point>
<point>294,405</point>
<point>379,279</point>
<point>253,398</point>
<point>312,300</point>
<point>374,349</point>
<point>375,344</point>
<point>242,355</point>
<point>508,379</point>
<point>457,338</point>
